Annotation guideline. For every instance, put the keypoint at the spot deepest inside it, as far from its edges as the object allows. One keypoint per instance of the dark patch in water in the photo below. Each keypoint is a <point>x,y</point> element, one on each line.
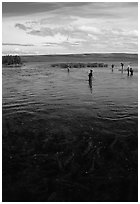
<point>63,143</point>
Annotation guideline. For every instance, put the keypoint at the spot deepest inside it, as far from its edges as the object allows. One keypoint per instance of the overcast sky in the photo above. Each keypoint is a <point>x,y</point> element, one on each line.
<point>59,28</point>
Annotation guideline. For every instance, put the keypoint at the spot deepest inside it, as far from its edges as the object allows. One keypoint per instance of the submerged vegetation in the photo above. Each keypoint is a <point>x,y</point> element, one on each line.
<point>45,165</point>
<point>79,65</point>
<point>11,60</point>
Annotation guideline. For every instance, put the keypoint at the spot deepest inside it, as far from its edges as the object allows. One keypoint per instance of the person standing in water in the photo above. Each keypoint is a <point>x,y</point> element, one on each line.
<point>112,67</point>
<point>131,72</point>
<point>122,66</point>
<point>90,75</point>
<point>128,69</point>
<point>68,68</point>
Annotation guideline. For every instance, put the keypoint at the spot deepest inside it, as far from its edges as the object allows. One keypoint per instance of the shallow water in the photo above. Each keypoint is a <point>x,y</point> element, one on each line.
<point>61,133</point>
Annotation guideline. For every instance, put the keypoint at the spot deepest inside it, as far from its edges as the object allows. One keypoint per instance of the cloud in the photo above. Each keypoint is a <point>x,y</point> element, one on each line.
<point>81,32</point>
<point>21,26</point>
<point>36,32</point>
<point>125,32</point>
<point>90,26</point>
<point>93,37</point>
<point>71,31</point>
<point>91,29</point>
<point>16,44</point>
<point>26,8</point>
<point>72,42</point>
<point>53,32</point>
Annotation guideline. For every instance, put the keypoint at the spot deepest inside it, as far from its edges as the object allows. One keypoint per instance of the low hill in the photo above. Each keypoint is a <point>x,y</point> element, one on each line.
<point>112,57</point>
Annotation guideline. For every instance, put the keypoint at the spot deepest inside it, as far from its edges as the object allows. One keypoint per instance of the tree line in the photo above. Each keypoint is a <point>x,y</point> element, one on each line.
<point>11,59</point>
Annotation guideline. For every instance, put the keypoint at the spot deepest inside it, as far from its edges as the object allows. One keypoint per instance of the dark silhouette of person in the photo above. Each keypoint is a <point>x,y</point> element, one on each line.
<point>90,75</point>
<point>112,67</point>
<point>128,69</point>
<point>68,68</point>
<point>131,71</point>
<point>122,66</point>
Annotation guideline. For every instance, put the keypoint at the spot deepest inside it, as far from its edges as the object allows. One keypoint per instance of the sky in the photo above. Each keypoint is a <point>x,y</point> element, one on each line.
<point>69,27</point>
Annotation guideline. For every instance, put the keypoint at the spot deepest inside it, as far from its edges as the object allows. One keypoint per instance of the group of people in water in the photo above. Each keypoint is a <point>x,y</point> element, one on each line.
<point>129,69</point>
<point>90,75</point>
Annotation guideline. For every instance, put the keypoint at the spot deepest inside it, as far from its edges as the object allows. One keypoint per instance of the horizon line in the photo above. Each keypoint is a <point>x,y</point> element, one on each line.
<point>72,53</point>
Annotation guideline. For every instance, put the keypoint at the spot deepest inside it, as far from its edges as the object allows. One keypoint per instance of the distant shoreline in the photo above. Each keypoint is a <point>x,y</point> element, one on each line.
<point>12,65</point>
<point>79,65</point>
<point>86,58</point>
<point>105,58</point>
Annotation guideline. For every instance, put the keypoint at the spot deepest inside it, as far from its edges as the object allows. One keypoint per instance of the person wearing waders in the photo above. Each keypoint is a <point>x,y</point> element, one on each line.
<point>122,66</point>
<point>128,70</point>
<point>131,72</point>
<point>112,67</point>
<point>90,75</point>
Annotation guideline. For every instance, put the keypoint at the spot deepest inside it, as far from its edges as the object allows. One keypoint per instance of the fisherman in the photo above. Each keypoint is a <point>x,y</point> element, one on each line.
<point>128,69</point>
<point>90,75</point>
<point>131,71</point>
<point>122,66</point>
<point>112,67</point>
<point>68,67</point>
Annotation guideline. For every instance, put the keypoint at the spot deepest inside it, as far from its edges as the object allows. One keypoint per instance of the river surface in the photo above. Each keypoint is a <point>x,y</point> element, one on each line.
<point>67,140</point>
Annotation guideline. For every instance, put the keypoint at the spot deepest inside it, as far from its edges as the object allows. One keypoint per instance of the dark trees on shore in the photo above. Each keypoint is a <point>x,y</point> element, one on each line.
<point>11,60</point>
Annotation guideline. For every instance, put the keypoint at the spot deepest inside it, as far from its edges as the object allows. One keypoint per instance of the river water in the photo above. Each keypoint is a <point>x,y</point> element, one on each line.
<point>67,140</point>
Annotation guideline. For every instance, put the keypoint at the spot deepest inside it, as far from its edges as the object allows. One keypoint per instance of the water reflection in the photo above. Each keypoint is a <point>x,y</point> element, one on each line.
<point>90,85</point>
